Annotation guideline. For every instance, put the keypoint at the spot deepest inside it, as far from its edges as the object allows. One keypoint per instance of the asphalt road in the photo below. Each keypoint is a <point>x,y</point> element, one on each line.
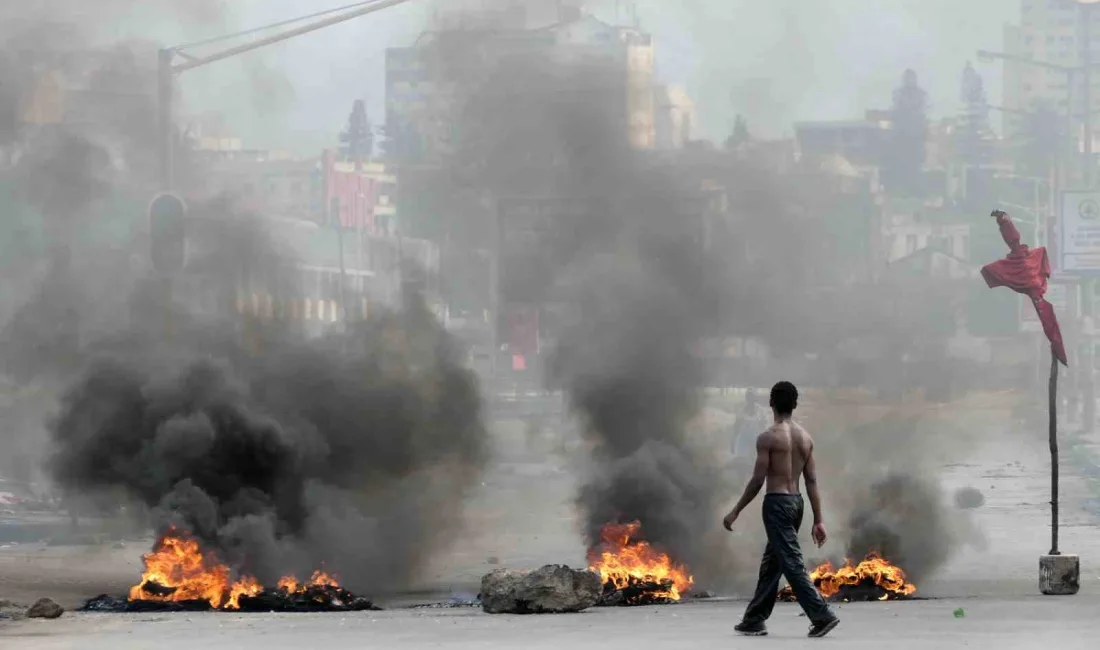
<point>1065,623</point>
<point>523,516</point>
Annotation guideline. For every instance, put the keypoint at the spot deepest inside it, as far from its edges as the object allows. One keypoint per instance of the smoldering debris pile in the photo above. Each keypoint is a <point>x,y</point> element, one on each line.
<point>314,598</point>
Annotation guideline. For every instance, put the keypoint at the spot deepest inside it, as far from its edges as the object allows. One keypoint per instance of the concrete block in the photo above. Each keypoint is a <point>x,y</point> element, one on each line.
<point>1059,575</point>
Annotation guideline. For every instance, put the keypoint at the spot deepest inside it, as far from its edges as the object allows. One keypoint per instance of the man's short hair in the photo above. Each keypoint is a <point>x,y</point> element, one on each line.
<point>784,398</point>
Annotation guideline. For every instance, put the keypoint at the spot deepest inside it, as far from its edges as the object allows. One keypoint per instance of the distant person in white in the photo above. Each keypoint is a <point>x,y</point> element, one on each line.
<point>751,420</point>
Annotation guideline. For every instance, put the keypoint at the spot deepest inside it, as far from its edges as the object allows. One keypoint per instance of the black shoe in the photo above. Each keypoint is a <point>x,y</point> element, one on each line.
<point>751,629</point>
<point>818,630</point>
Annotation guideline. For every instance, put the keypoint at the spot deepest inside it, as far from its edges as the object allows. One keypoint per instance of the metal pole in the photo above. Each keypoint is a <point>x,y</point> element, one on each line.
<point>1069,140</point>
<point>1039,221</point>
<point>494,289</point>
<point>1086,98</point>
<point>264,42</point>
<point>342,312</point>
<point>1053,410</point>
<point>1089,410</point>
<point>164,118</point>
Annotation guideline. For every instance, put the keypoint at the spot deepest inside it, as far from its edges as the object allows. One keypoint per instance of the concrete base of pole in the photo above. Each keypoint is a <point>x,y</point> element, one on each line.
<point>1059,575</point>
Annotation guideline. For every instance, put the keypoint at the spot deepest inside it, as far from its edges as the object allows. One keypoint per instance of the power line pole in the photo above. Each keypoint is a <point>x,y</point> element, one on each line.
<point>164,118</point>
<point>168,70</point>
<point>1086,97</point>
<point>1088,411</point>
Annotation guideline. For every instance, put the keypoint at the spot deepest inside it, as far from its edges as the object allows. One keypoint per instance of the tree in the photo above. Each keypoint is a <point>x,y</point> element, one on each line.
<point>740,133</point>
<point>358,140</point>
<point>905,150</point>
<point>974,133</point>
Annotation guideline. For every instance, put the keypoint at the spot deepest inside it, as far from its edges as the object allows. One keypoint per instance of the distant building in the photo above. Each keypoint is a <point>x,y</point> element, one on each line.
<point>910,227</point>
<point>323,190</point>
<point>860,142</point>
<point>324,276</point>
<point>777,156</point>
<point>103,95</point>
<point>278,188</point>
<point>674,117</point>
<point>1049,31</point>
<point>420,89</point>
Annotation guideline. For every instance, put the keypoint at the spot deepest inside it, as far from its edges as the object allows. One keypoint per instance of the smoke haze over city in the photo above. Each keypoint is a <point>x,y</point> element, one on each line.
<point>455,286</point>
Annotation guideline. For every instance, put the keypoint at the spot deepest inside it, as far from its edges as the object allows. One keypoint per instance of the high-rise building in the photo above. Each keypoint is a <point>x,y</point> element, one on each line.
<point>421,80</point>
<point>1049,31</point>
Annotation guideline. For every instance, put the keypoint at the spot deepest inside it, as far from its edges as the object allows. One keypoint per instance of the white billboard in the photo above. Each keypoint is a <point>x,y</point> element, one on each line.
<point>1080,224</point>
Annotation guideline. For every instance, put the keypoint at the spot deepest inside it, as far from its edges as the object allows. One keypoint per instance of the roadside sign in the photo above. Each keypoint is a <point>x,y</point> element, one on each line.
<point>1080,225</point>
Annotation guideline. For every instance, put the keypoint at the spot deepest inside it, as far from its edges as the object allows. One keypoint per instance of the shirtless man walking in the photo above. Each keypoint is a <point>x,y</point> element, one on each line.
<point>783,453</point>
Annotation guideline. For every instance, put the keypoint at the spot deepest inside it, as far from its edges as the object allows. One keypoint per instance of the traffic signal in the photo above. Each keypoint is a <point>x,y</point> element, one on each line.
<point>167,228</point>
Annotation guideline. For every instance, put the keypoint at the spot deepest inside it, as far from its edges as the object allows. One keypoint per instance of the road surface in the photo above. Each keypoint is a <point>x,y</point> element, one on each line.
<point>523,516</point>
<point>1023,623</point>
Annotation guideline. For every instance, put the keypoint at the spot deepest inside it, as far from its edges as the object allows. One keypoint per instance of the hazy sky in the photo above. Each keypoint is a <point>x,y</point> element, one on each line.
<point>776,61</point>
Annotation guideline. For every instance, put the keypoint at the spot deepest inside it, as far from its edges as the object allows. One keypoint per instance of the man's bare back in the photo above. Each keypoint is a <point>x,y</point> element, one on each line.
<point>788,447</point>
<point>784,453</point>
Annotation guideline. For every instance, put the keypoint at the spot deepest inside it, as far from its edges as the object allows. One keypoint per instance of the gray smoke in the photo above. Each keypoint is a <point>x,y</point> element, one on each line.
<point>283,455</point>
<point>904,518</point>
<point>77,154</point>
<point>633,290</point>
<point>633,287</point>
<point>632,280</point>
<point>881,490</point>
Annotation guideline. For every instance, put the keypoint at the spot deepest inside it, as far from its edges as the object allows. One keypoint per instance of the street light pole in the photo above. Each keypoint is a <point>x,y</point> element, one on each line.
<point>1086,97</point>
<point>167,69</point>
<point>164,118</point>
<point>1085,367</point>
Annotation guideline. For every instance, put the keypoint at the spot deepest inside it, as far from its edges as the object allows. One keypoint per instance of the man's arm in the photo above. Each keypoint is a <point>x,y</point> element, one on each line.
<point>759,476</point>
<point>809,472</point>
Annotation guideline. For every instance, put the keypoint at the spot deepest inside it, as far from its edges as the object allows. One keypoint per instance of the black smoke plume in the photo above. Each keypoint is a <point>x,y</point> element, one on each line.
<point>905,519</point>
<point>629,280</point>
<point>282,454</point>
<point>627,364</point>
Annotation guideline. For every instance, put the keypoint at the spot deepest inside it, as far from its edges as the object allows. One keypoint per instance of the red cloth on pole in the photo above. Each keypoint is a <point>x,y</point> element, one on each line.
<point>1026,270</point>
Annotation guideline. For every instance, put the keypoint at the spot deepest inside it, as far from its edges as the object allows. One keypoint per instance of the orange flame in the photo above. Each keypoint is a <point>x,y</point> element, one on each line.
<point>873,569</point>
<point>622,560</point>
<point>290,584</point>
<point>177,570</point>
<point>246,586</point>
